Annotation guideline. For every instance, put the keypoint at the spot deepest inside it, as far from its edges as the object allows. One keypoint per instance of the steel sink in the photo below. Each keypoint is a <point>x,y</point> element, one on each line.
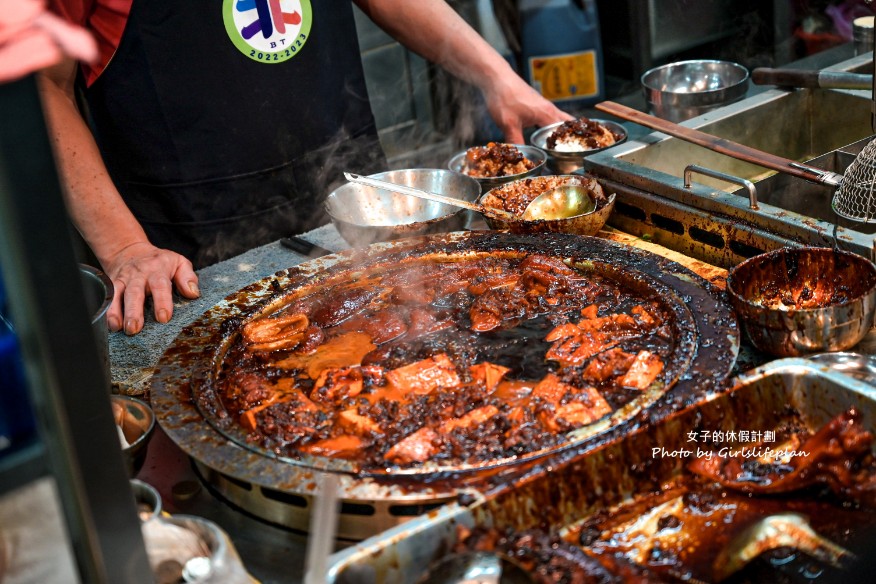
<point>713,219</point>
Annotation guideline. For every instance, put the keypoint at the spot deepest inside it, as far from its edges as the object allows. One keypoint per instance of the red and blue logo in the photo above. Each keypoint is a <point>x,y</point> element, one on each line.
<point>268,31</point>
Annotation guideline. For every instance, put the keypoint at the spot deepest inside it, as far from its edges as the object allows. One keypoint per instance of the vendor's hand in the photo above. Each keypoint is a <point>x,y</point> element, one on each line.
<point>514,105</point>
<point>142,269</point>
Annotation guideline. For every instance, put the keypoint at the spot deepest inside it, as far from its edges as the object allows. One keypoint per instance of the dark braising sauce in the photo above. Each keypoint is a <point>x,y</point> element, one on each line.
<point>729,517</point>
<point>458,361</point>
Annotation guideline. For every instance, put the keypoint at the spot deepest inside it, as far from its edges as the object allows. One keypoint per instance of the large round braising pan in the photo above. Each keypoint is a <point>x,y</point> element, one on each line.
<point>707,345</point>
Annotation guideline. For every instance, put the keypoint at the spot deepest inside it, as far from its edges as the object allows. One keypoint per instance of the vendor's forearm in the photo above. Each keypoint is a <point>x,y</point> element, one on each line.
<point>432,29</point>
<point>94,204</point>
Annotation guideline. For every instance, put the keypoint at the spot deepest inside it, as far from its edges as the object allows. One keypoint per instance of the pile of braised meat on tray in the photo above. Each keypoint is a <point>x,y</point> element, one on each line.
<point>803,511</point>
<point>457,361</point>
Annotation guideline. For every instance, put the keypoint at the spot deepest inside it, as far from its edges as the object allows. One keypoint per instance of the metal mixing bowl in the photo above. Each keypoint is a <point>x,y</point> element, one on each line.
<point>686,89</point>
<point>364,215</point>
<point>137,422</point>
<point>794,301</point>
<point>457,163</point>
<point>568,162</point>
<point>147,498</point>
<point>586,224</point>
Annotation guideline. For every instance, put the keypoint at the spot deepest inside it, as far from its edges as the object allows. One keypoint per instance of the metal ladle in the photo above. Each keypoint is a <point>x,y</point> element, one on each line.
<point>559,203</point>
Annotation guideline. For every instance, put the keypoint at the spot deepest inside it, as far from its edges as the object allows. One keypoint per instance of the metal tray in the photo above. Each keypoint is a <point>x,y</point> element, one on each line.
<point>563,491</point>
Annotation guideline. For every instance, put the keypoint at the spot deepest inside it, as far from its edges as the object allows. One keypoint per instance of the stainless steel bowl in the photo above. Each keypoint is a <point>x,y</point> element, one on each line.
<point>568,162</point>
<point>830,299</point>
<point>686,89</point>
<point>136,421</point>
<point>364,215</point>
<point>457,163</point>
<point>586,224</point>
<point>147,498</point>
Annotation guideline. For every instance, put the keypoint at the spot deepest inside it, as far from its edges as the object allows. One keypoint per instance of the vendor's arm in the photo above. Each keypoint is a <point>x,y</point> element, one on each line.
<point>136,267</point>
<point>435,31</point>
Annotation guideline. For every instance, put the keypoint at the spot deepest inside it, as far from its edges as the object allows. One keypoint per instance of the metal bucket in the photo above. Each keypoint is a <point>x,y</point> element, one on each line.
<point>98,289</point>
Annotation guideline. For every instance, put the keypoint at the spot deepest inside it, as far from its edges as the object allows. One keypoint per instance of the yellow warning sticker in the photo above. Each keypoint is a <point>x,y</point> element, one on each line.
<point>568,76</point>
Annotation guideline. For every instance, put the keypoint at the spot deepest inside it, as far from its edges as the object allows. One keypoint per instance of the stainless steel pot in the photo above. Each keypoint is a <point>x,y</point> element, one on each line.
<point>835,293</point>
<point>99,292</point>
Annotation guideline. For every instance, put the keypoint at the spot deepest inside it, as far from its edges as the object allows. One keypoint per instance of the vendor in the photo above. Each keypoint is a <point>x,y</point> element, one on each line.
<point>218,126</point>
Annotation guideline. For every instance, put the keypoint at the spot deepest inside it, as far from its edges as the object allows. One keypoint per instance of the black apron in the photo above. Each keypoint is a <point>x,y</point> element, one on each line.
<point>216,149</point>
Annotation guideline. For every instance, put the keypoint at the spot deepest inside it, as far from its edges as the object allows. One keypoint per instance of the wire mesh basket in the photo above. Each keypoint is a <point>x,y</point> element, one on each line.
<point>854,198</point>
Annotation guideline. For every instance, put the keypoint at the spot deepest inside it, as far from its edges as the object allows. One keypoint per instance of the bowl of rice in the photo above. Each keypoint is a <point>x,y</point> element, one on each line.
<point>568,143</point>
<point>498,163</point>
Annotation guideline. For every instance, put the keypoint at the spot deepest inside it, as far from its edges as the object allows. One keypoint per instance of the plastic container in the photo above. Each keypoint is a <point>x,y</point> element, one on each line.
<point>562,50</point>
<point>862,34</point>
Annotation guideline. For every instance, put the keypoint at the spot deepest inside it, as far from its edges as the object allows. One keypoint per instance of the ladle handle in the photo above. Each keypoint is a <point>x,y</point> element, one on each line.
<point>722,145</point>
<point>811,79</point>
<point>405,190</point>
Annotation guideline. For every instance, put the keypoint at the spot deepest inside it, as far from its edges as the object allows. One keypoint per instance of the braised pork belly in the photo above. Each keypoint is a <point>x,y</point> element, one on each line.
<point>452,362</point>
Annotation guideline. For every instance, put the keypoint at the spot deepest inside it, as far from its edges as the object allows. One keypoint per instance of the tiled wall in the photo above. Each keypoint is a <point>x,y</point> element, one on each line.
<point>405,105</point>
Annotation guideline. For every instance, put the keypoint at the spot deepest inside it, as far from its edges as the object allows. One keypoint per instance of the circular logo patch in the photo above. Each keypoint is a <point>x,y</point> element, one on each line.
<point>268,31</point>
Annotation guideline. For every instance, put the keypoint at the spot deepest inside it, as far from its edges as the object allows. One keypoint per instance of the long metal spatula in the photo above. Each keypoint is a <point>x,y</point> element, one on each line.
<point>410,191</point>
<point>854,199</point>
<point>811,79</point>
<point>722,145</point>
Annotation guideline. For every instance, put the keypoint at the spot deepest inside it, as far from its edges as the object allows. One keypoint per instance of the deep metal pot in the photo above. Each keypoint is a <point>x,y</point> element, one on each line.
<point>837,324</point>
<point>99,292</point>
<point>686,89</point>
